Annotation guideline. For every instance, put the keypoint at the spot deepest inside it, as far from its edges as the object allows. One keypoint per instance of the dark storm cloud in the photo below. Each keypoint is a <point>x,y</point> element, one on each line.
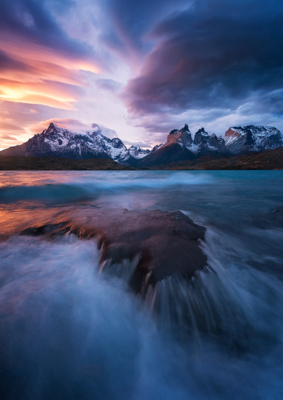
<point>131,20</point>
<point>161,123</point>
<point>61,6</point>
<point>214,55</point>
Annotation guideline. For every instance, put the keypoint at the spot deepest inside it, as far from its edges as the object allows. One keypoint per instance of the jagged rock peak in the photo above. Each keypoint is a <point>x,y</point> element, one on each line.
<point>201,136</point>
<point>202,131</point>
<point>186,128</point>
<point>52,128</point>
<point>182,137</point>
<point>240,139</point>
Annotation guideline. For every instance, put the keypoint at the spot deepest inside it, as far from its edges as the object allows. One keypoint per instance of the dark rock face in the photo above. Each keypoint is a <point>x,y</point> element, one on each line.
<point>183,137</point>
<point>175,149</point>
<point>238,140</point>
<point>156,147</point>
<point>201,136</point>
<point>209,144</point>
<point>180,147</point>
<point>157,244</point>
<point>243,139</point>
<point>166,155</point>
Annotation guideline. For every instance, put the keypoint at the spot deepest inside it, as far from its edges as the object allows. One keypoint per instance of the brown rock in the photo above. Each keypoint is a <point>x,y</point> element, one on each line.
<point>156,243</point>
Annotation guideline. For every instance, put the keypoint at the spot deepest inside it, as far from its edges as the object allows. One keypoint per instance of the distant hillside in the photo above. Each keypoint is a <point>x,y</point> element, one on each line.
<point>266,160</point>
<point>14,163</point>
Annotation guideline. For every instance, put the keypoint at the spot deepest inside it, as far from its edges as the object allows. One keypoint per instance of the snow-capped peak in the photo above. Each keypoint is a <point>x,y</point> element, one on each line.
<point>137,152</point>
<point>60,142</point>
<point>241,139</point>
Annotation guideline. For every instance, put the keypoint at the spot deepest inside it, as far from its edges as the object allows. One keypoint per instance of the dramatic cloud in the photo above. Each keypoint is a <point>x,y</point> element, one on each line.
<point>68,123</point>
<point>9,133</point>
<point>131,20</point>
<point>216,54</point>
<point>139,68</point>
<point>39,63</point>
<point>73,125</point>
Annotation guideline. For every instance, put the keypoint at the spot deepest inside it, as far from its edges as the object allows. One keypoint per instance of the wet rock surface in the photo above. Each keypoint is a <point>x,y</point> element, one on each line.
<point>155,243</point>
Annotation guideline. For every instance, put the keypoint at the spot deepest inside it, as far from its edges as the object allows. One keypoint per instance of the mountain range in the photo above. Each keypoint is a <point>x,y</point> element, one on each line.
<point>180,145</point>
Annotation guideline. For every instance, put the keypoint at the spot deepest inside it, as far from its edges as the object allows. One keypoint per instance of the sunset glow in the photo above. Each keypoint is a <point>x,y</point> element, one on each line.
<point>141,199</point>
<point>152,66</point>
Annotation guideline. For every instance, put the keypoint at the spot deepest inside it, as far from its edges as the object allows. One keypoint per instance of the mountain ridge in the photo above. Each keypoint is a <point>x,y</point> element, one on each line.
<point>179,146</point>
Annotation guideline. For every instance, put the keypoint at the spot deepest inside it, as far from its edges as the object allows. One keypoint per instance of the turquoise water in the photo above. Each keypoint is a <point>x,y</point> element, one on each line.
<point>68,332</point>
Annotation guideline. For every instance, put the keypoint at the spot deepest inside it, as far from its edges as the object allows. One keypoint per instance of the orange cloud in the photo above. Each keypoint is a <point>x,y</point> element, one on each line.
<point>9,127</point>
<point>53,94</point>
<point>40,65</point>
<point>68,123</point>
<point>35,74</point>
<point>26,51</point>
<point>7,132</point>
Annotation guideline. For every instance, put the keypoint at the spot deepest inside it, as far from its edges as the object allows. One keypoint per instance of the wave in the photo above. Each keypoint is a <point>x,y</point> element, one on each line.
<point>69,332</point>
<point>71,328</point>
<point>82,186</point>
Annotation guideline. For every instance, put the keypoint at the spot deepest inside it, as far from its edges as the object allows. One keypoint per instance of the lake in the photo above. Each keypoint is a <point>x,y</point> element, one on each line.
<point>69,330</point>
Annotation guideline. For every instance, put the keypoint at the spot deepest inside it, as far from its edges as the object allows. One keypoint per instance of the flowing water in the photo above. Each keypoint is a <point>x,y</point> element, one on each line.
<point>70,332</point>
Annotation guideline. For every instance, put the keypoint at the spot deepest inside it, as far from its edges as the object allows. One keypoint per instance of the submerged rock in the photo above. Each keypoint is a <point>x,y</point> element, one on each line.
<point>144,247</point>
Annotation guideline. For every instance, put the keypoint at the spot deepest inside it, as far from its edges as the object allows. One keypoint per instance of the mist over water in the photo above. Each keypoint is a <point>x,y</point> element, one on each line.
<point>68,331</point>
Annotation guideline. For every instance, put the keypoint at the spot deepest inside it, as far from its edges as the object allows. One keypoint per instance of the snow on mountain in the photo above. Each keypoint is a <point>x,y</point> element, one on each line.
<point>114,148</point>
<point>60,142</point>
<point>182,137</point>
<point>237,140</point>
<point>202,144</point>
<point>205,144</point>
<point>156,147</point>
<point>242,139</point>
<point>137,152</point>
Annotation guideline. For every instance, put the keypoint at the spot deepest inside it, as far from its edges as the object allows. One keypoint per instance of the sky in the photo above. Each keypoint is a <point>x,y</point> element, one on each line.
<point>139,68</point>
